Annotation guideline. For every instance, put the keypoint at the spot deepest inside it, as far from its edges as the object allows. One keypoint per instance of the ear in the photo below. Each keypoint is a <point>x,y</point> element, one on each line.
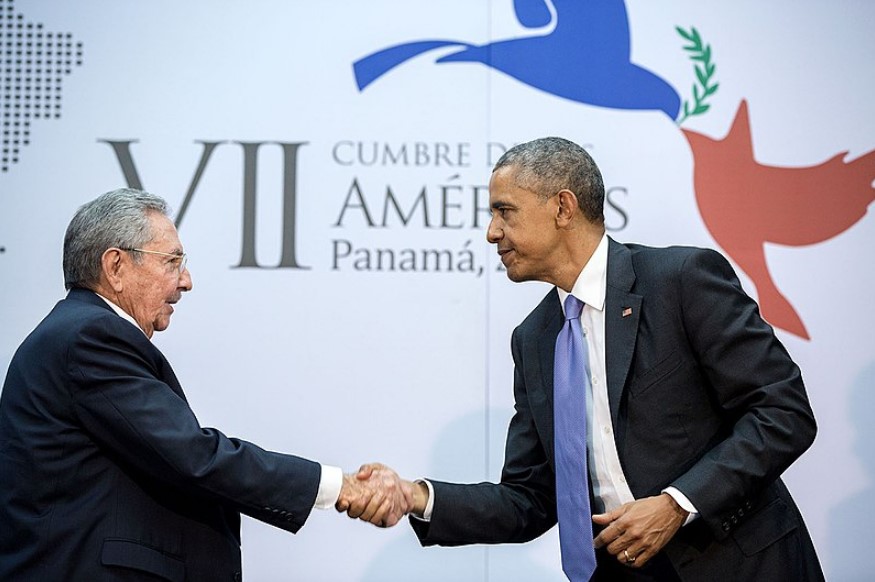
<point>567,208</point>
<point>112,264</point>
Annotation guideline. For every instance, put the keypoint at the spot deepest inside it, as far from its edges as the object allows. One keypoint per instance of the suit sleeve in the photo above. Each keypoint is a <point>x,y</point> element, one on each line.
<point>757,388</point>
<point>519,508</point>
<point>121,400</point>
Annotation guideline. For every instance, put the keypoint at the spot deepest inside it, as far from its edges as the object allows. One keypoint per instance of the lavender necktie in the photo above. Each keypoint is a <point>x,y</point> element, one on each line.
<point>570,385</point>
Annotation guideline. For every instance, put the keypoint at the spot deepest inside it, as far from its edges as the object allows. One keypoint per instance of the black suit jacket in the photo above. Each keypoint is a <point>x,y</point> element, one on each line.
<point>105,473</point>
<point>703,397</point>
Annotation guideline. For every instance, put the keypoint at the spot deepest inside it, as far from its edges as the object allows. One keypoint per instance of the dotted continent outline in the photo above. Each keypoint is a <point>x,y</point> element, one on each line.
<point>33,64</point>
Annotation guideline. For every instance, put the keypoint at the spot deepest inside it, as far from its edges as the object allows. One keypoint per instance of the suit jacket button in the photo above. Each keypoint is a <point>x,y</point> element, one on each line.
<point>238,577</point>
<point>725,526</point>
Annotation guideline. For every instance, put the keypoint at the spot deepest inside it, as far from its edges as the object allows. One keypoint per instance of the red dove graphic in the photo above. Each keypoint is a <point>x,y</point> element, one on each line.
<point>745,204</point>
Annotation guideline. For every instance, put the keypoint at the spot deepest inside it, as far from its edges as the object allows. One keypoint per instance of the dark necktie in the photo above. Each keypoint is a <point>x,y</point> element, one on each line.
<point>570,385</point>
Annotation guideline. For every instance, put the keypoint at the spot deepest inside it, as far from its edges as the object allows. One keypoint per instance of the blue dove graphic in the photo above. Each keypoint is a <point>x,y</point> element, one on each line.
<point>585,57</point>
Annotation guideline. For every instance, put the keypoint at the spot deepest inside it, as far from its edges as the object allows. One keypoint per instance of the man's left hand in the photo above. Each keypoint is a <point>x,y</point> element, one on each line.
<point>637,531</point>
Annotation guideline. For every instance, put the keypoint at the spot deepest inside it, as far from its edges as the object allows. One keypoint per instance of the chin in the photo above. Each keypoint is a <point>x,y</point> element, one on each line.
<point>161,325</point>
<point>516,276</point>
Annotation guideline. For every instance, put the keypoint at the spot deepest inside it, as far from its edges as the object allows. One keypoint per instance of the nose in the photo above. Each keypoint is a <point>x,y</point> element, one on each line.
<point>493,232</point>
<point>185,280</point>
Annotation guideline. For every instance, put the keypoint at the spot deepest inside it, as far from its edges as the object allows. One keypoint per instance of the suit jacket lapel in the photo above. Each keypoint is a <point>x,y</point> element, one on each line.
<point>541,356</point>
<point>622,314</point>
<point>547,345</point>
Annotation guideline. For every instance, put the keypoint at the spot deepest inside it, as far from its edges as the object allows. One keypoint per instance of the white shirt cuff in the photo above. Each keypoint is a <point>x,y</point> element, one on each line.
<point>330,483</point>
<point>685,503</point>
<point>429,505</point>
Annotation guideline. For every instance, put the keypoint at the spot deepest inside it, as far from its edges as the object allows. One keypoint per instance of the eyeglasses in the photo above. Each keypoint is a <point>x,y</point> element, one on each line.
<point>179,260</point>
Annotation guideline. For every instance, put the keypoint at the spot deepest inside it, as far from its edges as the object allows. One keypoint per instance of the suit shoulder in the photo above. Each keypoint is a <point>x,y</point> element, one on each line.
<point>669,253</point>
<point>675,259</point>
<point>71,319</point>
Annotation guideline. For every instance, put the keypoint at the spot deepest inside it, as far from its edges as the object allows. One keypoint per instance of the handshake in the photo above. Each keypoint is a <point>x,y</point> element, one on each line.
<point>378,495</point>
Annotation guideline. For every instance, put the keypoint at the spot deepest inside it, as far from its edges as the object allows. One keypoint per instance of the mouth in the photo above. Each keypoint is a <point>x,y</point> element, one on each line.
<point>503,253</point>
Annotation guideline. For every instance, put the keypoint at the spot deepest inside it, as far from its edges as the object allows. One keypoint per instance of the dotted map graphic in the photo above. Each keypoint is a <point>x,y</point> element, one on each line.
<point>33,64</point>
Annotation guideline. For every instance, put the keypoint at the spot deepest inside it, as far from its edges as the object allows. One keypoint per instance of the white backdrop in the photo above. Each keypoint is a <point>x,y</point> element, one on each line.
<point>346,359</point>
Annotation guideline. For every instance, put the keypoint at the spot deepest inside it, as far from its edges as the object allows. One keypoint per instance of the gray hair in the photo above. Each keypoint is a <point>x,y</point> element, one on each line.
<point>117,219</point>
<point>550,164</point>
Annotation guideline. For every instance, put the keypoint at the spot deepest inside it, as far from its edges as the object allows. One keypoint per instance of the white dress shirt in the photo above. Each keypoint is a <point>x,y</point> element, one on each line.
<point>331,479</point>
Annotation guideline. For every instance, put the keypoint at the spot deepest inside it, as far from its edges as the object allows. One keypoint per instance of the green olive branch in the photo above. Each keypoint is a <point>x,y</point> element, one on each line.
<point>700,54</point>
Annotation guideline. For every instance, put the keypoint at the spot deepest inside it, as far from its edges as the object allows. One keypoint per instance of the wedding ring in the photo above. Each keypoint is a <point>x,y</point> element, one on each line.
<point>629,559</point>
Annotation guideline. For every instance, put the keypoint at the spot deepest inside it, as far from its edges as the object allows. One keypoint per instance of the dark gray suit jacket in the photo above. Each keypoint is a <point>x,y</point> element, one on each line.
<point>105,473</point>
<point>703,397</point>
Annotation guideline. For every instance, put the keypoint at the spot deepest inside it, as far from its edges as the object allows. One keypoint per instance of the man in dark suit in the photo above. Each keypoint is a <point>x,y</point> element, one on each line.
<point>693,407</point>
<point>105,473</point>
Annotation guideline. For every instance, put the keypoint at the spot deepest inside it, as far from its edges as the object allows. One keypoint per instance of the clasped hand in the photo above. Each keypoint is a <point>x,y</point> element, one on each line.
<point>376,494</point>
<point>636,531</point>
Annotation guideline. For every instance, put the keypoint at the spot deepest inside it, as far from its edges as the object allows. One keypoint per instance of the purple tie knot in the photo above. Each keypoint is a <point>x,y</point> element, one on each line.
<point>573,307</point>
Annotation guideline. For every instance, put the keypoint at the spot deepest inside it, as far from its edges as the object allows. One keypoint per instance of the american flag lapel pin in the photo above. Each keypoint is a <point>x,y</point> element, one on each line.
<point>627,311</point>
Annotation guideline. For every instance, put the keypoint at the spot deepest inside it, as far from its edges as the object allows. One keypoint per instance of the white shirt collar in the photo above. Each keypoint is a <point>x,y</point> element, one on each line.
<point>592,282</point>
<point>121,312</point>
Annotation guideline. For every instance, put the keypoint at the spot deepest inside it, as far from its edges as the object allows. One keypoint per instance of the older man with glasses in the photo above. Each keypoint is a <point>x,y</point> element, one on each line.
<point>105,473</point>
